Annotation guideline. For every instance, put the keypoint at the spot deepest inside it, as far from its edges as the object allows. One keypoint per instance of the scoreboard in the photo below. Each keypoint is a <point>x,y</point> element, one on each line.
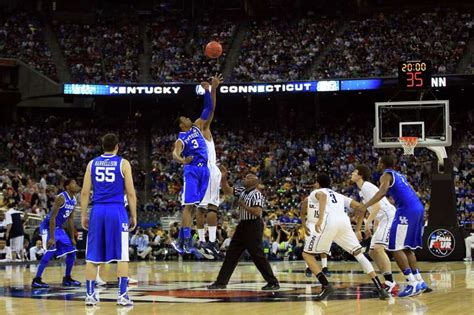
<point>414,75</point>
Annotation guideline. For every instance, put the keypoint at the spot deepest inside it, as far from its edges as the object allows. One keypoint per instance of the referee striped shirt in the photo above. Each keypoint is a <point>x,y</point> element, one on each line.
<point>252,198</point>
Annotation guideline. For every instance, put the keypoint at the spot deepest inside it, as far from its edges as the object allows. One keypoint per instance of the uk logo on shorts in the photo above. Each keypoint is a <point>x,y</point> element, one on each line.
<point>125,227</point>
<point>403,220</point>
<point>441,243</point>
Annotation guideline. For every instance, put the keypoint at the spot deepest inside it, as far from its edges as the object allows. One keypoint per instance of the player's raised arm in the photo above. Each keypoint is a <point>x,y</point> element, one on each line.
<point>131,195</point>
<point>216,80</point>
<point>207,108</point>
<point>85,195</point>
<point>177,150</point>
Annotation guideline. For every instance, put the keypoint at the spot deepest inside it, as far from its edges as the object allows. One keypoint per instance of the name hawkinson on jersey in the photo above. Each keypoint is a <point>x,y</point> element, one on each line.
<point>441,243</point>
<point>105,163</point>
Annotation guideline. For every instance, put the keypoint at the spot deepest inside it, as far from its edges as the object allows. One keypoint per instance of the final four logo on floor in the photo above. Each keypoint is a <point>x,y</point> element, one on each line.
<point>441,243</point>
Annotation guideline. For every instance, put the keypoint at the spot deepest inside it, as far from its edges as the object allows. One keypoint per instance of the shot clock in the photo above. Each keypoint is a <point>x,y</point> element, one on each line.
<point>414,75</point>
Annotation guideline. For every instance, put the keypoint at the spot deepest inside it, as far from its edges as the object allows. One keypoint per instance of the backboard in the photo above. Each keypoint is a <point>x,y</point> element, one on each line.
<point>427,120</point>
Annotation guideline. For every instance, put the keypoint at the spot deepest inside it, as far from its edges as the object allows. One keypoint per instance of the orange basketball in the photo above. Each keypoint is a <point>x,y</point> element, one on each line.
<point>213,50</point>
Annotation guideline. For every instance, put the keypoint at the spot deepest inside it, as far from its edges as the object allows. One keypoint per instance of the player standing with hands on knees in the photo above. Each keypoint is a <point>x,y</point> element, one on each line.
<point>108,177</point>
<point>406,231</point>
<point>191,150</point>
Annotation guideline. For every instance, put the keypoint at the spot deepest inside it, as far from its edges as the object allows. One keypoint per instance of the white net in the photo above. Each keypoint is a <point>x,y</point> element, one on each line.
<point>408,144</point>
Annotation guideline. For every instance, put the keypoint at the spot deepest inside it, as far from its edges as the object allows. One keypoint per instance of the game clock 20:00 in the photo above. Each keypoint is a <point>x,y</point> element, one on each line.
<point>414,75</point>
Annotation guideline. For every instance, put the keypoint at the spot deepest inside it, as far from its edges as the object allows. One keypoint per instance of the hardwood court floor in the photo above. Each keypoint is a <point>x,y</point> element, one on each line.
<point>180,288</point>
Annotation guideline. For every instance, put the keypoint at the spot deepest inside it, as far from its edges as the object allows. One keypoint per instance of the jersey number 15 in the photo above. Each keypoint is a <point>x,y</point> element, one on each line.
<point>105,174</point>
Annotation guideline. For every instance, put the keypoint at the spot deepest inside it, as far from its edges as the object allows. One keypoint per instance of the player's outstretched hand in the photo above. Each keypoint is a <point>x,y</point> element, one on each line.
<point>188,159</point>
<point>85,223</point>
<point>216,80</point>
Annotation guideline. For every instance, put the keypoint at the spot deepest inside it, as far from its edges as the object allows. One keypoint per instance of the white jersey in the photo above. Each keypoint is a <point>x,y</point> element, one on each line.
<point>334,206</point>
<point>211,152</point>
<point>213,188</point>
<point>336,226</point>
<point>367,192</point>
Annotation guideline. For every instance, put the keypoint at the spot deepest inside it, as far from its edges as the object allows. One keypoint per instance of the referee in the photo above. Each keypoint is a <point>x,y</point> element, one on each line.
<point>248,234</point>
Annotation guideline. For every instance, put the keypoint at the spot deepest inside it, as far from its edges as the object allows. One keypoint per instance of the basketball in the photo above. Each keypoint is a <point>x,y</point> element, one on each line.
<point>213,50</point>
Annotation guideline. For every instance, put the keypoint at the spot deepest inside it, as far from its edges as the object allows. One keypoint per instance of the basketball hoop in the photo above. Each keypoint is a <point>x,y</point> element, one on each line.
<point>408,144</point>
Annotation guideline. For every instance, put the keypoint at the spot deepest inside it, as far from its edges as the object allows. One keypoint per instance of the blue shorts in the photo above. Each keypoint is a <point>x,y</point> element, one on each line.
<point>196,179</point>
<point>407,229</point>
<point>107,238</point>
<point>63,244</point>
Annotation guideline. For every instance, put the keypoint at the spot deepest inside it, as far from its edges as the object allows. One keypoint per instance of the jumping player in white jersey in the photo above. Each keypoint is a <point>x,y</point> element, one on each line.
<point>210,203</point>
<point>383,212</point>
<point>325,222</point>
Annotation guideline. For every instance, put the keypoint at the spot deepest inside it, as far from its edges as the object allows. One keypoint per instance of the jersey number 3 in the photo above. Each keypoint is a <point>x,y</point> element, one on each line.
<point>195,144</point>
<point>105,174</point>
<point>333,197</point>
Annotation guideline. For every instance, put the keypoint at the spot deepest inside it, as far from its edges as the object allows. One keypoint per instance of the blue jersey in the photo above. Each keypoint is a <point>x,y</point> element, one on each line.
<point>194,145</point>
<point>63,213</point>
<point>401,192</point>
<point>108,185</point>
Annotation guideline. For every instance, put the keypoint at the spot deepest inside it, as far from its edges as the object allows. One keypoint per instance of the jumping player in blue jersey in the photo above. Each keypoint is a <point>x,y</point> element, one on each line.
<point>407,228</point>
<point>55,240</point>
<point>108,177</point>
<point>191,150</point>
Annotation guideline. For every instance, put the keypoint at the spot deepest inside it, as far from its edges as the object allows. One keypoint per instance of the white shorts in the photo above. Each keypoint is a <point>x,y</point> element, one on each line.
<point>16,243</point>
<point>213,188</point>
<point>381,236</point>
<point>335,229</point>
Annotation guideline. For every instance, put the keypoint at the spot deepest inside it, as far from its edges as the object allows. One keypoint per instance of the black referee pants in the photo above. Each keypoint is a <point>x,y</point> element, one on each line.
<point>247,236</point>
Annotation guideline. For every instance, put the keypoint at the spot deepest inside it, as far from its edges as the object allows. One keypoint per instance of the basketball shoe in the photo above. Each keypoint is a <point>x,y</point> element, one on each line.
<point>91,300</point>
<point>124,300</point>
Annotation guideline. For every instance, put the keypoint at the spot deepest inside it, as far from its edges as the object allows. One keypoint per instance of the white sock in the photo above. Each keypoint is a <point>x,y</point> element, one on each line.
<point>306,265</point>
<point>324,262</point>
<point>411,279</point>
<point>212,233</point>
<point>418,277</point>
<point>202,238</point>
